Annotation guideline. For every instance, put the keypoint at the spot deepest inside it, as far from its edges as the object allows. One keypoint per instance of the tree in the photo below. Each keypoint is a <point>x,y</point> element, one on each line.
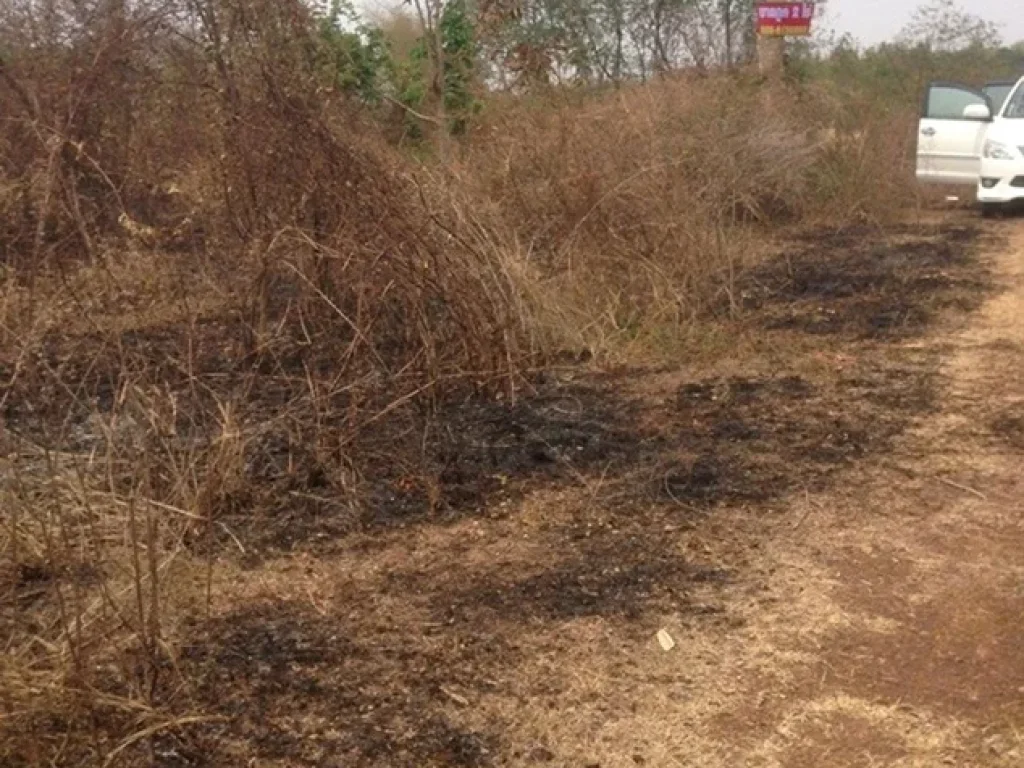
<point>942,25</point>
<point>441,70</point>
<point>609,41</point>
<point>737,20</point>
<point>442,66</point>
<point>354,56</point>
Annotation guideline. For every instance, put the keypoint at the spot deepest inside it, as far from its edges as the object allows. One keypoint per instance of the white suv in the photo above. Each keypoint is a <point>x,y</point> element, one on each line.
<point>970,136</point>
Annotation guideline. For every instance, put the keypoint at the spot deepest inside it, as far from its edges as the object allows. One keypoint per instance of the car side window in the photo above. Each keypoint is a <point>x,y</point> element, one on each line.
<point>997,94</point>
<point>1015,107</point>
<point>948,102</point>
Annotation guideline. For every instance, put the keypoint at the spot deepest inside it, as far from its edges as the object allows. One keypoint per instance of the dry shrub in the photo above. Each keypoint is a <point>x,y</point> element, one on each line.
<point>226,301</point>
<point>74,79</point>
<point>231,146</point>
<point>864,169</point>
<point>100,576</point>
<point>634,211</point>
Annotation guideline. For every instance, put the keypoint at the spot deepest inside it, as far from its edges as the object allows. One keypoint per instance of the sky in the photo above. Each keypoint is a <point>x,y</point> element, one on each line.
<point>872,21</point>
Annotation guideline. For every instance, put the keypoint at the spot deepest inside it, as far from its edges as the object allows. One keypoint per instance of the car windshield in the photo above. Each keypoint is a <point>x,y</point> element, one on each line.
<point>997,93</point>
<point>1015,107</point>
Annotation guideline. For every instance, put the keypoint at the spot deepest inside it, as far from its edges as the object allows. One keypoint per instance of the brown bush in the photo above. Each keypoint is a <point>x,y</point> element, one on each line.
<point>219,288</point>
<point>225,300</point>
<point>635,210</point>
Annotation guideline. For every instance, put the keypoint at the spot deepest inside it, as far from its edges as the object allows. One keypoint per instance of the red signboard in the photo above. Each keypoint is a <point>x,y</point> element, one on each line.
<point>777,19</point>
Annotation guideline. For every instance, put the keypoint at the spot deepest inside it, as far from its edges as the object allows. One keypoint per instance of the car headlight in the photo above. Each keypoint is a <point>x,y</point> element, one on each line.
<point>996,150</point>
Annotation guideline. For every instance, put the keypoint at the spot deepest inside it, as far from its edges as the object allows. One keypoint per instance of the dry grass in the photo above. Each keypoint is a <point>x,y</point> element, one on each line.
<point>194,323</point>
<point>234,323</point>
<point>152,510</point>
<point>635,212</point>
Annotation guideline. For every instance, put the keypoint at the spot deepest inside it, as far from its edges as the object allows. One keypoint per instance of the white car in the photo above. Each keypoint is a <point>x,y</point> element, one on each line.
<point>970,136</point>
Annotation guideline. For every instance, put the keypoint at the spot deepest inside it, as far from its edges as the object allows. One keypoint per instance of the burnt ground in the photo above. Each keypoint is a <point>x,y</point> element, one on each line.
<point>855,288</point>
<point>378,697</point>
<point>1009,427</point>
<point>445,577</point>
<point>660,464</point>
<point>863,283</point>
<point>907,587</point>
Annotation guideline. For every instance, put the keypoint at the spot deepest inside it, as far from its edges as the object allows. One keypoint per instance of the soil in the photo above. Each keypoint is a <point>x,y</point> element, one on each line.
<point>863,283</point>
<point>828,529</point>
<point>455,632</point>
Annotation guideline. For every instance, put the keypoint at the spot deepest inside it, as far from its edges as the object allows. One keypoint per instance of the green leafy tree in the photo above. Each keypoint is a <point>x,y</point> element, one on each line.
<point>458,39</point>
<point>352,56</point>
<point>442,67</point>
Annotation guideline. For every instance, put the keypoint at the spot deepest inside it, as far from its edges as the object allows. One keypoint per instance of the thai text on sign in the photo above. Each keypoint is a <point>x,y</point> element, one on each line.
<point>786,19</point>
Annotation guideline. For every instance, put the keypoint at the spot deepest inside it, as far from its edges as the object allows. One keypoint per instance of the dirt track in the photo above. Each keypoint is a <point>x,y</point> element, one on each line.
<point>901,595</point>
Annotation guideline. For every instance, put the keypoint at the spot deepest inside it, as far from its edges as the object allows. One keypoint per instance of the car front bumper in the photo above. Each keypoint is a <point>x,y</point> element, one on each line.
<point>1002,181</point>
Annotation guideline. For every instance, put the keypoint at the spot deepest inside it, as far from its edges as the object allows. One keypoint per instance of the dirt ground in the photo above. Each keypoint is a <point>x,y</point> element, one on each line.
<point>900,592</point>
<point>825,518</point>
<point>827,524</point>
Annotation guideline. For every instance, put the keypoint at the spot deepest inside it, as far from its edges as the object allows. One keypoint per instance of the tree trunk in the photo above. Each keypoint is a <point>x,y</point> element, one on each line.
<point>727,21</point>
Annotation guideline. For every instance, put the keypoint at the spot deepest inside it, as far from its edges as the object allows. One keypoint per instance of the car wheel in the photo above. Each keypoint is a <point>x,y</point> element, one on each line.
<point>991,210</point>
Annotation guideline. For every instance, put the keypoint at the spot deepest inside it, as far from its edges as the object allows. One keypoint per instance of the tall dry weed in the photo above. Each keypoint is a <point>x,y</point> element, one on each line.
<point>224,301</point>
<point>228,309</point>
<point>634,212</point>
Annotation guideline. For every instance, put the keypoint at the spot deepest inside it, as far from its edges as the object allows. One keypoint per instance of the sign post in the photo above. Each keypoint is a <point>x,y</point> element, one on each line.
<point>774,22</point>
<point>784,19</point>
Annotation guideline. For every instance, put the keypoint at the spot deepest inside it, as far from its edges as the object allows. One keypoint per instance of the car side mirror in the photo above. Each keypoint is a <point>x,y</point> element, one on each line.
<point>977,112</point>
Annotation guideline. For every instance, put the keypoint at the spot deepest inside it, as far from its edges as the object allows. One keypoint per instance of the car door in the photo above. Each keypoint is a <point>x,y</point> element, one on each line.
<point>948,144</point>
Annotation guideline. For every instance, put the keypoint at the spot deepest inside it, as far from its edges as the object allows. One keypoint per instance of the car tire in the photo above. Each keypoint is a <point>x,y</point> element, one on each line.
<point>990,210</point>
